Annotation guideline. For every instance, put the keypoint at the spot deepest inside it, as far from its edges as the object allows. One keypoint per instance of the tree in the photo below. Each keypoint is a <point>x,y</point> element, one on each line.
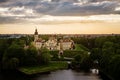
<point>3,47</point>
<point>45,56</point>
<point>100,41</point>
<point>13,56</point>
<point>82,62</point>
<point>95,54</point>
<point>86,64</point>
<point>77,61</point>
<point>114,67</point>
<point>12,63</point>
<point>31,55</point>
<point>54,55</point>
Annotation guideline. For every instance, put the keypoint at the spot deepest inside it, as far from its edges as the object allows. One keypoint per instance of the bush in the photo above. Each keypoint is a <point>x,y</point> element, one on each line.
<point>54,55</point>
<point>71,54</point>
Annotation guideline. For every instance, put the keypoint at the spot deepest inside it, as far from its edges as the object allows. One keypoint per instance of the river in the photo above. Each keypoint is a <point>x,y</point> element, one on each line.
<point>55,75</point>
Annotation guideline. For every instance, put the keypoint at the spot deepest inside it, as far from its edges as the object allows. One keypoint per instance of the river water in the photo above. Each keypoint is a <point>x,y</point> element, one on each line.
<point>55,75</point>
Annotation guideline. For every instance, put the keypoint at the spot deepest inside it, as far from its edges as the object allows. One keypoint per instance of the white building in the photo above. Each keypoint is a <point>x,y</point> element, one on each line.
<point>67,44</point>
<point>52,43</point>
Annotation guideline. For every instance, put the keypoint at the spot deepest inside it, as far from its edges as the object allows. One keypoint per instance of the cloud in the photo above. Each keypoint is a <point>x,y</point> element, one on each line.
<point>2,1</point>
<point>7,20</point>
<point>23,10</point>
<point>105,7</point>
<point>64,0</point>
<point>75,19</point>
<point>65,7</point>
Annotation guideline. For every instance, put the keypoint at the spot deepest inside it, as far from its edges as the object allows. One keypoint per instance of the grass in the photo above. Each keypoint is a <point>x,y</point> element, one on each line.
<point>44,68</point>
<point>79,47</point>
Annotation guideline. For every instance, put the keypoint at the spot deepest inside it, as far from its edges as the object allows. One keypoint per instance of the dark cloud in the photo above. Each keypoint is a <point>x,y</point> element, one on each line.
<point>55,8</point>
<point>64,0</point>
<point>87,9</point>
<point>6,20</point>
<point>3,1</point>
<point>66,7</point>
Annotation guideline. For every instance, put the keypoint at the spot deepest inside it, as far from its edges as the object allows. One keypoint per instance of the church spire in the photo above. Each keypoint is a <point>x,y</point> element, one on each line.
<point>36,32</point>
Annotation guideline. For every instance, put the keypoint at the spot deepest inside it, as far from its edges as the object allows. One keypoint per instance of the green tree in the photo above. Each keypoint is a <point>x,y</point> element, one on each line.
<point>31,55</point>
<point>99,42</point>
<point>95,54</point>
<point>86,63</point>
<point>114,67</point>
<point>76,63</point>
<point>54,55</point>
<point>44,56</point>
<point>82,62</point>
<point>12,56</point>
<point>3,47</point>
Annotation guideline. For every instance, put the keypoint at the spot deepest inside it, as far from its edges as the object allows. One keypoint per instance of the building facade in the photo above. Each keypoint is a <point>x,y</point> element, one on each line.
<point>53,43</point>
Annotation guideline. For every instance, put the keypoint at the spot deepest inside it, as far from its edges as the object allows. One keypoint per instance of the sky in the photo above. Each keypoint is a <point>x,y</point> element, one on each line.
<point>60,16</point>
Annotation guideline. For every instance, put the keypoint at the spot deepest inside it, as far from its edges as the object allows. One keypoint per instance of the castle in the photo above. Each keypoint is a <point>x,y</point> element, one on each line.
<point>53,43</point>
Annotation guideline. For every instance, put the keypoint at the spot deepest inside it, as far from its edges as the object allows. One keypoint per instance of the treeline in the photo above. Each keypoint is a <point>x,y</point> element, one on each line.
<point>105,52</point>
<point>13,54</point>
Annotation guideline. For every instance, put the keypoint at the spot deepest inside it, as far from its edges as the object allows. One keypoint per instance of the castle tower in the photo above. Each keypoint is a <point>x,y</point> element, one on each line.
<point>35,35</point>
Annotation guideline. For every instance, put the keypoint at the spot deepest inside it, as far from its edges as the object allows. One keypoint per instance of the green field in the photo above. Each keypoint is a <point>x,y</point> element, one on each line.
<point>44,68</point>
<point>79,47</point>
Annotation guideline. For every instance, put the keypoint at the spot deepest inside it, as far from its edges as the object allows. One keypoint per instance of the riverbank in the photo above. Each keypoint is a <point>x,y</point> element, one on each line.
<point>44,68</point>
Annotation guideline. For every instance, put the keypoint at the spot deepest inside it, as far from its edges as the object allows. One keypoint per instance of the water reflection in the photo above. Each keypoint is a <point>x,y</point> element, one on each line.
<point>55,75</point>
<point>67,75</point>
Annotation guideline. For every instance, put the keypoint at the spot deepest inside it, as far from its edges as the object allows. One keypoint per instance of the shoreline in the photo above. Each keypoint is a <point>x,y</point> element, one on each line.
<point>43,68</point>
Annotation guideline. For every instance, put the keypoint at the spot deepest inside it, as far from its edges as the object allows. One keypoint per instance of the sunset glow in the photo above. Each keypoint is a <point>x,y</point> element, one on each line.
<point>60,17</point>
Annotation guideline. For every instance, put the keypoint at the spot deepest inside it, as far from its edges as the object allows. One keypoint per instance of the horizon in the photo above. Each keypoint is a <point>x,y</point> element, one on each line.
<point>58,34</point>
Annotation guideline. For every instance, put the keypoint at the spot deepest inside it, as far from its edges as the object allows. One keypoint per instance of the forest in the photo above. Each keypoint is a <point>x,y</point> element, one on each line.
<point>104,54</point>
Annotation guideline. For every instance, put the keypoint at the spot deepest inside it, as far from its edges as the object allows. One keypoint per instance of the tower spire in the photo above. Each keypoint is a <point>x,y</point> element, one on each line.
<point>36,32</point>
